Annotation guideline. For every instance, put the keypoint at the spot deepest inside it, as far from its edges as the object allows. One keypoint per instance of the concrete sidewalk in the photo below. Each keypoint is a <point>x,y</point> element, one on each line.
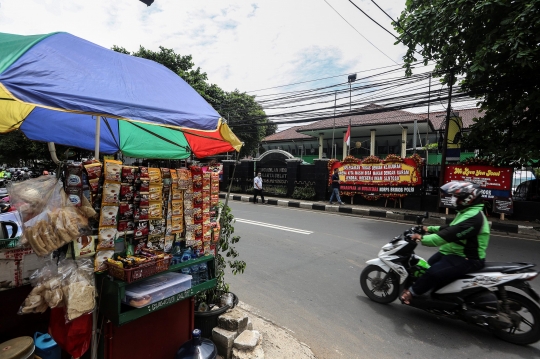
<point>523,229</point>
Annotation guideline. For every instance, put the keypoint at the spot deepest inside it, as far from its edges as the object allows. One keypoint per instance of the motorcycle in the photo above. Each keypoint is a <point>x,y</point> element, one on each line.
<point>480,297</point>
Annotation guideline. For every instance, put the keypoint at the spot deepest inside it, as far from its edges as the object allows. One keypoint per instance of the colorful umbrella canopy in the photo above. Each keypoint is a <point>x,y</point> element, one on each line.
<point>53,88</point>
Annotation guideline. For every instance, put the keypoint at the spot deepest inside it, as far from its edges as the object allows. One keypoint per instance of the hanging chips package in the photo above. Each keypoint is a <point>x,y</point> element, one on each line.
<point>111,193</point>
<point>155,192</point>
<point>113,170</point>
<point>155,210</point>
<point>129,173</point>
<point>106,237</point>
<point>174,179</point>
<point>108,216</point>
<point>177,225</point>
<point>184,178</point>
<point>155,175</point>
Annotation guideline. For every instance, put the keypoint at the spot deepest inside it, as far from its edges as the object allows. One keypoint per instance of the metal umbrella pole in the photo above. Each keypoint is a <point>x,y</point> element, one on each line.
<point>93,347</point>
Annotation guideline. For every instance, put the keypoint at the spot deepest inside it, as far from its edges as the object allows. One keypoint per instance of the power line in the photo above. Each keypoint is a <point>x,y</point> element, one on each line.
<point>382,27</point>
<point>360,33</point>
<point>398,24</point>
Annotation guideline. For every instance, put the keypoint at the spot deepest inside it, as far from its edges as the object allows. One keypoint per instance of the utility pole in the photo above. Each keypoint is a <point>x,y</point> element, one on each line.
<point>447,124</point>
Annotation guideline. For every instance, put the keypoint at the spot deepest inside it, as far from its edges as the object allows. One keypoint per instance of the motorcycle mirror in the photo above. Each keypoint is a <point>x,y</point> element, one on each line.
<point>426,216</point>
<point>419,219</point>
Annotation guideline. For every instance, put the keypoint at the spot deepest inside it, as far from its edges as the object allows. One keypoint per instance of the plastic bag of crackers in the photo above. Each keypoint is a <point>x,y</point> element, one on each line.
<point>51,220</point>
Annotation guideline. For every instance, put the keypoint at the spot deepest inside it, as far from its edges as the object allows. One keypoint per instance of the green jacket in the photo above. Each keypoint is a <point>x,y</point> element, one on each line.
<point>467,236</point>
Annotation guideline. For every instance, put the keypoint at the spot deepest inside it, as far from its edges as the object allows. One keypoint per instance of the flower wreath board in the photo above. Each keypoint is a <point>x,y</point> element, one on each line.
<point>393,177</point>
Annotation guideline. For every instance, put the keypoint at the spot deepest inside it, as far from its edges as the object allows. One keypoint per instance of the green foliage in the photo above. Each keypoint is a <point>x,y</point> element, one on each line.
<point>227,253</point>
<point>275,190</point>
<point>494,44</point>
<point>15,148</point>
<point>304,190</point>
<point>242,113</point>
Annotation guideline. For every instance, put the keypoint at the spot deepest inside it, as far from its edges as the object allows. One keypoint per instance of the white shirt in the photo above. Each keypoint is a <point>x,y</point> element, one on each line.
<point>257,183</point>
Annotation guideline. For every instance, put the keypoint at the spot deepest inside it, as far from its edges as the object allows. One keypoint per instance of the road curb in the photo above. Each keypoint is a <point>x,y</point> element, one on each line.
<point>508,228</point>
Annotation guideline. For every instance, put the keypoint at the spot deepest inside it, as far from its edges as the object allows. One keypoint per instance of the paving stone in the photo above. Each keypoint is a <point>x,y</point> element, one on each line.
<point>248,340</point>
<point>233,320</point>
<point>224,340</point>
<point>257,353</point>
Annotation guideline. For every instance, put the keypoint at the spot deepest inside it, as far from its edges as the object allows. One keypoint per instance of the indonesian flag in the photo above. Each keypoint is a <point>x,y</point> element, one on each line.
<point>348,136</point>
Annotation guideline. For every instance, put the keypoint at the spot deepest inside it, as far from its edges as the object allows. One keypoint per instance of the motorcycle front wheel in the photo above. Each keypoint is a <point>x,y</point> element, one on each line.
<point>527,331</point>
<point>371,281</point>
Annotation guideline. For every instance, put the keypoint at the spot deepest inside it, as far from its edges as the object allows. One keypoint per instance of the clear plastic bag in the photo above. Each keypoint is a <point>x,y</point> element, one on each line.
<point>54,221</point>
<point>31,196</point>
<point>47,291</point>
<point>79,290</point>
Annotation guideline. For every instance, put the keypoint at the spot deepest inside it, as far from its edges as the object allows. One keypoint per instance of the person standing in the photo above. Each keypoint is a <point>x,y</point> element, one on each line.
<point>258,188</point>
<point>335,187</point>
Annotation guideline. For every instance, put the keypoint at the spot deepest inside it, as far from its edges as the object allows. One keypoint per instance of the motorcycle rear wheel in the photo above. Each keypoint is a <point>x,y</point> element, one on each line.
<point>371,282</point>
<point>530,322</point>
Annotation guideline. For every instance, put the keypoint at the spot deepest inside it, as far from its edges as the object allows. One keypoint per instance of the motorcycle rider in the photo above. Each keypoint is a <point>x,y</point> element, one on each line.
<point>462,244</point>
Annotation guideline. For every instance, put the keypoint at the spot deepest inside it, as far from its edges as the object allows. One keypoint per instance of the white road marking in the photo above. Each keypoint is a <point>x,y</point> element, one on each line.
<point>269,225</point>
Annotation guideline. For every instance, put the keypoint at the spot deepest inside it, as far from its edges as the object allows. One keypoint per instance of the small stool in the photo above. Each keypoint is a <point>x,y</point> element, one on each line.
<point>18,348</point>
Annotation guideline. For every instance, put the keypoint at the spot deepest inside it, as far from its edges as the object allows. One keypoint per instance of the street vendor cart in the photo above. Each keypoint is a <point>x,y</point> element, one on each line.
<point>134,224</point>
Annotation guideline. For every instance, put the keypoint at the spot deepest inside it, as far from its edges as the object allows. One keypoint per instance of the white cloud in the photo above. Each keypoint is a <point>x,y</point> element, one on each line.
<point>240,44</point>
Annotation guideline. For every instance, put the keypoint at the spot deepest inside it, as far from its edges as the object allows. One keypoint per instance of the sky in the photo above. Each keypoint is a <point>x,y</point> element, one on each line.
<point>247,45</point>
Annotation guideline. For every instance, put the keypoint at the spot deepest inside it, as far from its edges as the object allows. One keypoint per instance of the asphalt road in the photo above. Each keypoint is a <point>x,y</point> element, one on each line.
<point>308,282</point>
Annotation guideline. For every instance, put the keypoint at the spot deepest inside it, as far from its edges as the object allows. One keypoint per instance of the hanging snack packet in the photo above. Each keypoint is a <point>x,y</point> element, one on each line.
<point>100,261</point>
<point>157,226</point>
<point>155,192</point>
<point>188,205</point>
<point>155,210</point>
<point>111,193</point>
<point>140,214</point>
<point>168,243</point>
<point>108,216</point>
<point>85,246</point>
<point>155,175</point>
<point>198,215</point>
<point>156,242</point>
<point>126,192</point>
<point>197,182</point>
<point>197,199</point>
<point>184,178</point>
<point>106,237</point>
<point>93,170</point>
<point>141,229</point>
<point>129,173</point>
<point>177,194</point>
<point>177,207</point>
<point>79,290</point>
<point>126,211</point>
<point>113,170</point>
<point>126,226</point>
<point>73,173</point>
<point>207,179</point>
<point>143,171</point>
<point>144,201</point>
<point>174,178</point>
<point>74,195</point>
<point>177,225</point>
<point>166,176</point>
<point>144,186</point>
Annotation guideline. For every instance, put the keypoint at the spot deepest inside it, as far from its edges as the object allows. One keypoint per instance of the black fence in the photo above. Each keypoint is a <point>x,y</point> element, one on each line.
<point>310,182</point>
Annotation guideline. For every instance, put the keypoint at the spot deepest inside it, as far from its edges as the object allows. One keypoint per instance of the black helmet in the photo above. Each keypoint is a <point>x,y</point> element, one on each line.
<point>465,193</point>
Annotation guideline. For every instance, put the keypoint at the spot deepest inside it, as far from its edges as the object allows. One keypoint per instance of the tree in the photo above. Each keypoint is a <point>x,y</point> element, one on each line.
<point>238,108</point>
<point>16,149</point>
<point>494,44</point>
